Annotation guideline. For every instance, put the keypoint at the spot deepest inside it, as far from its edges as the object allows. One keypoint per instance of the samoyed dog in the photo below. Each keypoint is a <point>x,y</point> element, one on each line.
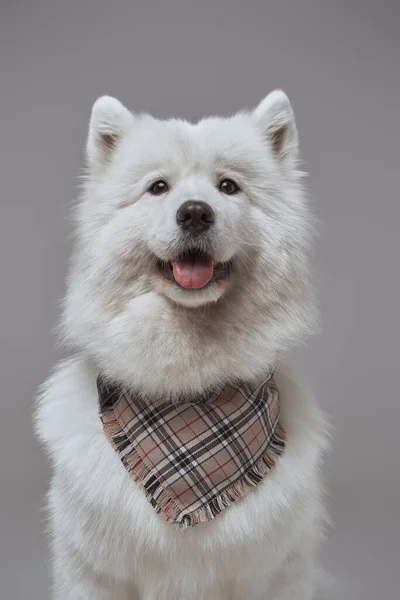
<point>190,272</point>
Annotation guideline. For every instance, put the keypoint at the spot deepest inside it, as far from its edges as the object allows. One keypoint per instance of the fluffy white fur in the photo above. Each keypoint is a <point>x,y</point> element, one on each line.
<point>124,319</point>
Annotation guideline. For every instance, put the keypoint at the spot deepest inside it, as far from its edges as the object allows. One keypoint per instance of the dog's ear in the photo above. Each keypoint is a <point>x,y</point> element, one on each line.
<point>274,115</point>
<point>108,123</point>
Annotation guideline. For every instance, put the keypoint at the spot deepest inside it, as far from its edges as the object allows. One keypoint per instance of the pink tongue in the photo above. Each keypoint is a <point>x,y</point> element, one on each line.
<point>193,273</point>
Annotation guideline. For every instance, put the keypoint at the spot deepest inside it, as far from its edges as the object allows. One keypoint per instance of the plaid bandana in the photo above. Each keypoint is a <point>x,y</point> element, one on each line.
<point>193,460</point>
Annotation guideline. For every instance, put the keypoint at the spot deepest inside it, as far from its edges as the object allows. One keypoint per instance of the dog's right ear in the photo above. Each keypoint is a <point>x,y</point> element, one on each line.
<point>108,123</point>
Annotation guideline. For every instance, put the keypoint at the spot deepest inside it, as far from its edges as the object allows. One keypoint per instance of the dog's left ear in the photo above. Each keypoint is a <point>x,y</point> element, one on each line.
<point>274,115</point>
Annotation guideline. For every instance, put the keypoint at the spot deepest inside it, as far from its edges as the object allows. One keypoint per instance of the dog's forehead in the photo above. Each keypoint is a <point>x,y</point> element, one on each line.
<point>206,141</point>
<point>213,134</point>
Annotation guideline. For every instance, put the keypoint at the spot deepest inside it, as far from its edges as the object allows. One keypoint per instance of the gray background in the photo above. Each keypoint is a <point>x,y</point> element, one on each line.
<point>339,62</point>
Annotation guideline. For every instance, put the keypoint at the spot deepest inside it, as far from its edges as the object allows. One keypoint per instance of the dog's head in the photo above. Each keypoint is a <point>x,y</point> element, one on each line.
<point>194,234</point>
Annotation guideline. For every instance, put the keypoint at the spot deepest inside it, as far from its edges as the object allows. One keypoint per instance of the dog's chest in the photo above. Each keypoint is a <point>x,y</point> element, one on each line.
<point>125,540</point>
<point>107,522</point>
<point>114,529</point>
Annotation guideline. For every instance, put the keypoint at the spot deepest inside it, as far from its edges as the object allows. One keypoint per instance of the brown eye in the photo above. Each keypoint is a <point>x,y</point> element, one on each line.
<point>159,187</point>
<point>227,186</point>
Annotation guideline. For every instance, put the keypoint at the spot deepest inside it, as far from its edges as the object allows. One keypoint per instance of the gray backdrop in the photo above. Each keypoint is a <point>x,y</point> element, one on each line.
<point>339,63</point>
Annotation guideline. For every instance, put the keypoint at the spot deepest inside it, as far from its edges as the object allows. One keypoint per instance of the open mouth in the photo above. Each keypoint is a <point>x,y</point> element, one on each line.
<point>194,270</point>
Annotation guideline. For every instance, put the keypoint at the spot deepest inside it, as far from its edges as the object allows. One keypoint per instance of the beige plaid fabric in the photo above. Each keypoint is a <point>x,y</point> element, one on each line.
<point>195,459</point>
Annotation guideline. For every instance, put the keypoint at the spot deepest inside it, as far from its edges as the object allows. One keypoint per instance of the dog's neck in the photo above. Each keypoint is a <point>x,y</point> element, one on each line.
<point>179,397</point>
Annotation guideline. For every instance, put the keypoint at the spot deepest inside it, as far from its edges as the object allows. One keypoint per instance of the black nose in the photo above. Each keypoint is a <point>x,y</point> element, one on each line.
<point>195,216</point>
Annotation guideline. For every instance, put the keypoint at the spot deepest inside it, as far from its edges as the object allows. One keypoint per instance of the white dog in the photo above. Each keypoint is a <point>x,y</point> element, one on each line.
<point>190,273</point>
